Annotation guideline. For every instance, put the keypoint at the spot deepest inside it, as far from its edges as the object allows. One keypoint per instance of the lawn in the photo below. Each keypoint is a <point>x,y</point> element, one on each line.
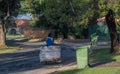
<point>18,37</point>
<point>11,49</point>
<point>103,55</point>
<point>8,49</point>
<point>15,37</point>
<point>98,56</point>
<point>106,70</point>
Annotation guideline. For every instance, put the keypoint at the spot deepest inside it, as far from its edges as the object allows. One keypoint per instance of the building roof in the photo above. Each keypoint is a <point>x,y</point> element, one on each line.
<point>103,19</point>
<point>22,22</point>
<point>26,16</point>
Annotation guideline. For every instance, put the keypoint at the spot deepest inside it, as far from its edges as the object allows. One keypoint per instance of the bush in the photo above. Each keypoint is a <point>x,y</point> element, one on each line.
<point>42,34</point>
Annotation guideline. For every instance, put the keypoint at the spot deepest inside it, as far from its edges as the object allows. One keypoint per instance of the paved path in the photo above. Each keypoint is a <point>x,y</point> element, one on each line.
<point>100,45</point>
<point>26,60</point>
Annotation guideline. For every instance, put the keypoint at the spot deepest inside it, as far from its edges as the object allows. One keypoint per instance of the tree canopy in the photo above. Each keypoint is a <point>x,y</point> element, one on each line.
<point>66,17</point>
<point>63,15</point>
<point>10,6</point>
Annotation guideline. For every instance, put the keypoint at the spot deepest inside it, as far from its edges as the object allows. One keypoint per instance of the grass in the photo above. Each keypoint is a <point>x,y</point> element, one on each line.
<point>8,49</point>
<point>106,70</point>
<point>101,55</point>
<point>15,37</point>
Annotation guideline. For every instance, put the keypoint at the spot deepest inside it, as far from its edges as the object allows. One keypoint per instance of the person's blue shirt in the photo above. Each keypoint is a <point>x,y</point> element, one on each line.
<point>49,41</point>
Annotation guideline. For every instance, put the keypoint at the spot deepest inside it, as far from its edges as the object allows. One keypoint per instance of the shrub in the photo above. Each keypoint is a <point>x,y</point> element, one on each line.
<point>42,34</point>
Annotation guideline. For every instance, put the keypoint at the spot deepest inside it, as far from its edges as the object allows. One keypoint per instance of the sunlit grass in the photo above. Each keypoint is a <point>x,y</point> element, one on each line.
<point>106,70</point>
<point>15,37</point>
<point>8,49</point>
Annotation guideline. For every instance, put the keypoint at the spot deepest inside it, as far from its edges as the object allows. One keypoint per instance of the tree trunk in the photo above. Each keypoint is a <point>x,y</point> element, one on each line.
<point>65,31</point>
<point>2,36</point>
<point>110,20</point>
<point>114,41</point>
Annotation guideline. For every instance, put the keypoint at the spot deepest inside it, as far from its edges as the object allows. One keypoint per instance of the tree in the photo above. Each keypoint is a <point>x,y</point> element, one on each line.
<point>105,5</point>
<point>34,7</point>
<point>7,8</point>
<point>61,15</point>
<point>57,16</point>
<point>2,36</point>
<point>112,6</point>
<point>66,16</point>
<point>110,20</point>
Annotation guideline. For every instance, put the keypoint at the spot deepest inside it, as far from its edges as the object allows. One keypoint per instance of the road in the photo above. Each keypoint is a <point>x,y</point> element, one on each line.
<point>26,59</point>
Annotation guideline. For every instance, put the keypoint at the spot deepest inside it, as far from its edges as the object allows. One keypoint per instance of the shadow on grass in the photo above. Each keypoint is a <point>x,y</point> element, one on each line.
<point>13,42</point>
<point>102,56</point>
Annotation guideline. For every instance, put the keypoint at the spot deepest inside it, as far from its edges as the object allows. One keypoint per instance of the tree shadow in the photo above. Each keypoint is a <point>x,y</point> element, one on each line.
<point>25,61</point>
<point>101,57</point>
<point>13,42</point>
<point>21,61</point>
<point>100,63</point>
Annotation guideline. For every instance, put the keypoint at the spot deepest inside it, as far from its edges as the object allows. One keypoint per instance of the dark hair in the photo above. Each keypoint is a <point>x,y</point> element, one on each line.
<point>50,34</point>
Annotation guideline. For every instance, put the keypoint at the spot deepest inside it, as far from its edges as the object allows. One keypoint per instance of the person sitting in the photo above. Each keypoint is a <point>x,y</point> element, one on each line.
<point>50,40</point>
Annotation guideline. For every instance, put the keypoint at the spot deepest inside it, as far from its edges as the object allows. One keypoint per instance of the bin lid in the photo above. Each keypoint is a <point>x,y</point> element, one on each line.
<point>84,46</point>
